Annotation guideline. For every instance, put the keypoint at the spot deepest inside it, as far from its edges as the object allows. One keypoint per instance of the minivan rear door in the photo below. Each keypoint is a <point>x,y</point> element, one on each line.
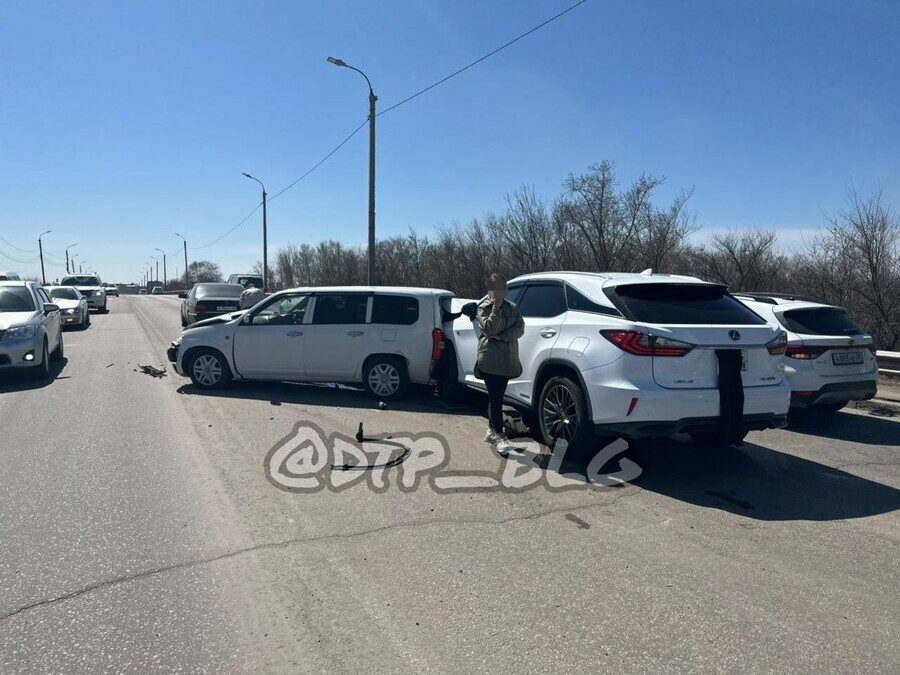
<point>688,323</point>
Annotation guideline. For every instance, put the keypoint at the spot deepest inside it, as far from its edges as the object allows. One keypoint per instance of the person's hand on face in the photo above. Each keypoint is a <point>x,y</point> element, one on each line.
<point>499,293</point>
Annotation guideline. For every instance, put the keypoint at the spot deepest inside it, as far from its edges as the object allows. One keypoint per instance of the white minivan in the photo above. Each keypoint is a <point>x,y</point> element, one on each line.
<point>382,337</point>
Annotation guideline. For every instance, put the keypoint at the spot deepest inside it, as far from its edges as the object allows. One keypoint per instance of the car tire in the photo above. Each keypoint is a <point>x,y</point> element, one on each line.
<point>41,371</point>
<point>60,351</point>
<point>208,369</point>
<point>562,413</point>
<point>183,322</point>
<point>86,322</point>
<point>385,378</point>
<point>104,309</point>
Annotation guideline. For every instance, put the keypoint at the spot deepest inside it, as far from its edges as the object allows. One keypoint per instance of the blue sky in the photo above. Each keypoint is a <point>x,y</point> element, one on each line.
<point>124,122</point>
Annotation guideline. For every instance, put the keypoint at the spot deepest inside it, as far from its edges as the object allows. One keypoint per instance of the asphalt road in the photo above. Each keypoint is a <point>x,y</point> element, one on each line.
<point>139,533</point>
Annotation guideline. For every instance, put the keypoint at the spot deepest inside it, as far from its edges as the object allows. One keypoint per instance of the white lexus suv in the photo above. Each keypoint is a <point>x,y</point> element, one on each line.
<point>636,355</point>
<point>829,359</point>
<point>90,286</point>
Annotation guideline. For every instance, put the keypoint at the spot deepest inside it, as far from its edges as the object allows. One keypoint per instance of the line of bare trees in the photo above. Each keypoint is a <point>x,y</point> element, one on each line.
<point>595,224</point>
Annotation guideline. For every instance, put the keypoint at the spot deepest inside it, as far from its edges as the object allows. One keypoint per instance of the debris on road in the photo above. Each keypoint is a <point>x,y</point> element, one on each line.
<point>153,372</point>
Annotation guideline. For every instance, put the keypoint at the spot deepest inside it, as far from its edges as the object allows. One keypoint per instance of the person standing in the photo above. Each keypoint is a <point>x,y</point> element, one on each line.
<point>251,296</point>
<point>498,355</point>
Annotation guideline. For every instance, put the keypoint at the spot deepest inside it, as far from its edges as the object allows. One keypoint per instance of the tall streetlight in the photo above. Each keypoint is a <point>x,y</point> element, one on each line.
<point>164,267</point>
<point>82,263</point>
<point>74,255</point>
<point>265,240</point>
<point>372,99</point>
<point>157,267</point>
<point>67,256</point>
<point>186,281</point>
<point>41,251</point>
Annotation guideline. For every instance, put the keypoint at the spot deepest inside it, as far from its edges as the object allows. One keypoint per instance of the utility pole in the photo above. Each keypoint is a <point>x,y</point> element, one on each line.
<point>265,237</point>
<point>164,267</point>
<point>41,252</point>
<point>67,256</point>
<point>186,278</point>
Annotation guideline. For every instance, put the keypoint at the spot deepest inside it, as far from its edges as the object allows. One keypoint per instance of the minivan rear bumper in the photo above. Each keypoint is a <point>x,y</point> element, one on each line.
<point>688,425</point>
<point>835,393</point>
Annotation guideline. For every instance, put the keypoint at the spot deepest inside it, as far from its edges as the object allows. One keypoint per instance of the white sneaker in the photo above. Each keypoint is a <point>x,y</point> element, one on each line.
<point>490,436</point>
<point>504,447</point>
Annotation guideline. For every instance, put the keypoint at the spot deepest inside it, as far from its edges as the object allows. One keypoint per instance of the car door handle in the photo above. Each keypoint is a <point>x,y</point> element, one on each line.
<point>547,332</point>
<point>355,333</point>
<point>295,333</point>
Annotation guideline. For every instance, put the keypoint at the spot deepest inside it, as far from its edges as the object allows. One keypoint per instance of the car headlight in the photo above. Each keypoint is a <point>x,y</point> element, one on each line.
<point>18,332</point>
<point>68,311</point>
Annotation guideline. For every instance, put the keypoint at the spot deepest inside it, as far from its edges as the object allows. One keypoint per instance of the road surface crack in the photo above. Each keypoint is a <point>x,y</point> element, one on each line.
<point>108,583</point>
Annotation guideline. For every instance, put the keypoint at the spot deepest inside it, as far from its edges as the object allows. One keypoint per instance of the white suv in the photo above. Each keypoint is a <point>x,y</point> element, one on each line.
<point>91,288</point>
<point>637,355</point>
<point>829,359</point>
<point>383,337</point>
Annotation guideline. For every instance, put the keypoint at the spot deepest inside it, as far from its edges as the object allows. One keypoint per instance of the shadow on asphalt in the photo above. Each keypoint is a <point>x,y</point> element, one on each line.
<point>758,482</point>
<point>22,381</point>
<point>843,426</point>
<point>418,399</point>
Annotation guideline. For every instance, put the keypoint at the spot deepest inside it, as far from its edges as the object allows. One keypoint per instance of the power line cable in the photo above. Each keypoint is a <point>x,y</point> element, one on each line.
<point>18,260</point>
<point>479,60</point>
<point>216,241</point>
<point>23,250</point>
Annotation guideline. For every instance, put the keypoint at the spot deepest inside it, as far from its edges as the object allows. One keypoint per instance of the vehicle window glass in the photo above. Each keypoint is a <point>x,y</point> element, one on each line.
<point>394,309</point>
<point>340,308</point>
<point>15,299</point>
<point>219,290</point>
<point>64,293</point>
<point>282,311</point>
<point>579,303</point>
<point>514,293</point>
<point>682,304</point>
<point>543,301</point>
<point>819,321</point>
<point>80,281</point>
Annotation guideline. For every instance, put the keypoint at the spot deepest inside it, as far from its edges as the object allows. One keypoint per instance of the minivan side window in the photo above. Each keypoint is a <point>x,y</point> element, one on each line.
<point>340,308</point>
<point>402,310</point>
<point>543,301</point>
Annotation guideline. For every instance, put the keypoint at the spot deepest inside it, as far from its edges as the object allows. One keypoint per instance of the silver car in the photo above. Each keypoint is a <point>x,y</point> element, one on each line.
<point>73,306</point>
<point>30,330</point>
<point>207,300</point>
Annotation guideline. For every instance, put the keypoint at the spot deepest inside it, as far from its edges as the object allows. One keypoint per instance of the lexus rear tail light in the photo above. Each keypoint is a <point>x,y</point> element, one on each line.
<point>805,353</point>
<point>642,344</point>
<point>437,344</point>
<point>778,346</point>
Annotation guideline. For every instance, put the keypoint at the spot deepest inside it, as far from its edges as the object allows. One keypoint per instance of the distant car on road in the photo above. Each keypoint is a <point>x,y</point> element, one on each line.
<point>383,337</point>
<point>142,291</point>
<point>9,276</point>
<point>73,306</point>
<point>156,290</point>
<point>829,361</point>
<point>90,286</point>
<point>112,290</point>
<point>207,300</point>
<point>30,330</point>
<point>246,280</point>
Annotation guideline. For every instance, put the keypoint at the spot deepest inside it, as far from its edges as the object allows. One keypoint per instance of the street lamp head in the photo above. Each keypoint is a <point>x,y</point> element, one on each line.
<point>246,174</point>
<point>336,62</point>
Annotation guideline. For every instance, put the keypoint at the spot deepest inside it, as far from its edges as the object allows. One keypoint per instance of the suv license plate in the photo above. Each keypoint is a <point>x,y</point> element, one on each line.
<point>846,358</point>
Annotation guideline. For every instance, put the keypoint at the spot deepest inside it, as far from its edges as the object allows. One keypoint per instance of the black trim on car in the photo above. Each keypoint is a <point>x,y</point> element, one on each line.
<point>688,425</point>
<point>861,390</point>
<point>549,363</point>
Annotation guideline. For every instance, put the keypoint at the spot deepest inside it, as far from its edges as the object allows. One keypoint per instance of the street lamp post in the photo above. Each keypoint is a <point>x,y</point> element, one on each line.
<point>372,99</point>
<point>164,267</point>
<point>67,256</point>
<point>41,252</point>
<point>186,279</point>
<point>265,239</point>
<point>157,268</point>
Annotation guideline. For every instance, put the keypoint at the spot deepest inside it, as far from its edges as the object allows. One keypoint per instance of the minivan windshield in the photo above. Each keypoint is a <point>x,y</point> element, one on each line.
<point>681,304</point>
<point>80,281</point>
<point>819,321</point>
<point>15,299</point>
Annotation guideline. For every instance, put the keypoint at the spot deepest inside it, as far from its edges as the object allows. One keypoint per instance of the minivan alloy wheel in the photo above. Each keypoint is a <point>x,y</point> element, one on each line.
<point>384,379</point>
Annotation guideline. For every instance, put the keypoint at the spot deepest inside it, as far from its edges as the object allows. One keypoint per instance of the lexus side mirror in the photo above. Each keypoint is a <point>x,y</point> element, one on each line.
<point>182,294</point>
<point>50,307</point>
<point>470,309</point>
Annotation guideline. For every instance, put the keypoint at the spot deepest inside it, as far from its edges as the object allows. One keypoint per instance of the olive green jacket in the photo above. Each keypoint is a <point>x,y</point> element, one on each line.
<point>498,345</point>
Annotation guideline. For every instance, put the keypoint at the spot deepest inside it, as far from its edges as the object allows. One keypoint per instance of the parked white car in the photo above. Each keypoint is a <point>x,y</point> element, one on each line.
<point>634,355</point>
<point>382,337</point>
<point>90,286</point>
<point>830,361</point>
<point>30,332</point>
<point>73,306</point>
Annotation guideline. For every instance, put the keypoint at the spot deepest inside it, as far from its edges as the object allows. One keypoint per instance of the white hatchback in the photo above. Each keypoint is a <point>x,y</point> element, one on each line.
<point>637,355</point>
<point>830,361</point>
<point>384,337</point>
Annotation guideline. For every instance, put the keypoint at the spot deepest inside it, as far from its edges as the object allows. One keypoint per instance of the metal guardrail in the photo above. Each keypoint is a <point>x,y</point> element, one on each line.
<point>888,362</point>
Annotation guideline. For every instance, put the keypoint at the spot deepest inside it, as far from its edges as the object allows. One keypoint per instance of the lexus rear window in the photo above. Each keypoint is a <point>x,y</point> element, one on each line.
<point>681,304</point>
<point>819,321</point>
